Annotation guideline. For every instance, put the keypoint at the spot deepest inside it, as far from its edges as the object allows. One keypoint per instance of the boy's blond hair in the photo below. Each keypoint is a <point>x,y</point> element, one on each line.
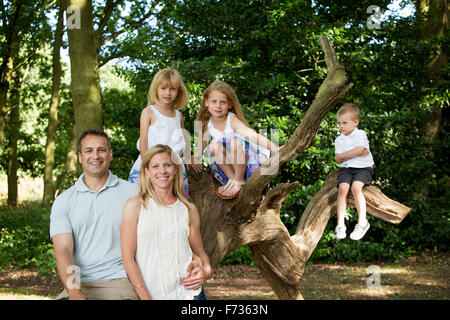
<point>169,77</point>
<point>350,108</point>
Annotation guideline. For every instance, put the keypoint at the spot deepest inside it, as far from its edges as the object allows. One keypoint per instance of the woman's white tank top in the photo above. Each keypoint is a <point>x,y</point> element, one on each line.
<point>162,251</point>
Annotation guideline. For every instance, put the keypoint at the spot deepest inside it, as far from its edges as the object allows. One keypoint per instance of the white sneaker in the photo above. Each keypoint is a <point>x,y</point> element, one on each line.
<point>339,232</point>
<point>359,231</point>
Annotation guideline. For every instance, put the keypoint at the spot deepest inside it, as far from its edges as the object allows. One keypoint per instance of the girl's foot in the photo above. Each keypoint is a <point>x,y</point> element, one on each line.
<point>230,190</point>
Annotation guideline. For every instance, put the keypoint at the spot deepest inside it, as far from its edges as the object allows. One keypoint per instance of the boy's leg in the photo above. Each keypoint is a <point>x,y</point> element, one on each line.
<point>360,202</point>
<point>342,203</point>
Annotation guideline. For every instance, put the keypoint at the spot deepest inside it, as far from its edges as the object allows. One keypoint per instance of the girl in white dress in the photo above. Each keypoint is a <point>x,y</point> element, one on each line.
<point>235,150</point>
<point>161,121</point>
<point>160,231</point>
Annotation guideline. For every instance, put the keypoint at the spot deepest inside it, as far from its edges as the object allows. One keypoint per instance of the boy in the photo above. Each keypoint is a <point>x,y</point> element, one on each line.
<point>355,161</point>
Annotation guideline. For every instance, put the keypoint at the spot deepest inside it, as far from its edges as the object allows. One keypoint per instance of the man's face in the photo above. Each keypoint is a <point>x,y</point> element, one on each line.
<point>95,156</point>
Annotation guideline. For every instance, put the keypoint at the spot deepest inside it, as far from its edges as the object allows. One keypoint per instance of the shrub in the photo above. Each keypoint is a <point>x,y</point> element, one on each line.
<point>25,240</point>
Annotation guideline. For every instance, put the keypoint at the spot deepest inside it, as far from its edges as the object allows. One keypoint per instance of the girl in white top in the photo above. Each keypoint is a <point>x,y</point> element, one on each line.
<point>160,231</point>
<point>161,121</point>
<point>235,151</point>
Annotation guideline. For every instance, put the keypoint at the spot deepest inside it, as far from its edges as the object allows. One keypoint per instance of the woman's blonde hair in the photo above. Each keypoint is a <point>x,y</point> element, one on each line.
<point>145,186</point>
<point>168,77</point>
<point>226,89</point>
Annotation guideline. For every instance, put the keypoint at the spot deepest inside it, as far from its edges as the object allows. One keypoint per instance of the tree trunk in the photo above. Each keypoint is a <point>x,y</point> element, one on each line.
<point>13,138</point>
<point>86,93</point>
<point>432,22</point>
<point>49,189</point>
<point>249,220</point>
<point>71,159</point>
<point>4,87</point>
<point>8,52</point>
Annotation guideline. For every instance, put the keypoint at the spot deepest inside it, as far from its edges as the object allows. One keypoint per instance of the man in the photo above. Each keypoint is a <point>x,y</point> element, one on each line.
<point>85,227</point>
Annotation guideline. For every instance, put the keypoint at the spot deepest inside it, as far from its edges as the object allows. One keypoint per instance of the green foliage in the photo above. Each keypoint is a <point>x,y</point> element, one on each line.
<point>25,240</point>
<point>242,255</point>
<point>268,52</point>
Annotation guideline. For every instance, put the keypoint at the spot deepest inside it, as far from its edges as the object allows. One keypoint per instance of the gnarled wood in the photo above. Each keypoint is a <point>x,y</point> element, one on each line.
<point>254,221</point>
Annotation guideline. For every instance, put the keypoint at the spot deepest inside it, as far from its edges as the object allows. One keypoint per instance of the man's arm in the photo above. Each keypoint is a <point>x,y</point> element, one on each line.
<point>63,248</point>
<point>350,154</point>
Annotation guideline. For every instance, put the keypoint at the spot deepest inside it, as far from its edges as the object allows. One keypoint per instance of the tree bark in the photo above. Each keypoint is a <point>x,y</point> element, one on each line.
<point>8,53</point>
<point>255,221</point>
<point>86,93</point>
<point>13,138</point>
<point>49,189</point>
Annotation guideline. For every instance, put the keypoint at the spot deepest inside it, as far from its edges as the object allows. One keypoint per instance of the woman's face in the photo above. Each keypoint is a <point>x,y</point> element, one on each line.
<point>161,171</point>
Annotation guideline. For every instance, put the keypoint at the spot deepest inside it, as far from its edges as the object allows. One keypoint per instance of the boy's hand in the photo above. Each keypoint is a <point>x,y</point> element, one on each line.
<point>338,158</point>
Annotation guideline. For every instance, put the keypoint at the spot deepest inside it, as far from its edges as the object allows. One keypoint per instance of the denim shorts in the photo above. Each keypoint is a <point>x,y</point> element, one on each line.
<point>201,295</point>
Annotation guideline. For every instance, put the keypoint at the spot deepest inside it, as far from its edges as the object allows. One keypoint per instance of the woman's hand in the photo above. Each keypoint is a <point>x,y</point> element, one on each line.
<point>196,276</point>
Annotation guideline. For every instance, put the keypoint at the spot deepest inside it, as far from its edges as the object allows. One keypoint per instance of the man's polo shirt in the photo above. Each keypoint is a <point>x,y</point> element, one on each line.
<point>94,220</point>
<point>357,138</point>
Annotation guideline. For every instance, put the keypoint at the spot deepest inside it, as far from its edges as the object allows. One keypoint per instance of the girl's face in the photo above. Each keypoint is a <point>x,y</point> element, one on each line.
<point>218,104</point>
<point>161,171</point>
<point>346,123</point>
<point>167,94</point>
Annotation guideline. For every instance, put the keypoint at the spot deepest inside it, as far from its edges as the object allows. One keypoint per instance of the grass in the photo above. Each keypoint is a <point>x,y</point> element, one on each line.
<point>424,276</point>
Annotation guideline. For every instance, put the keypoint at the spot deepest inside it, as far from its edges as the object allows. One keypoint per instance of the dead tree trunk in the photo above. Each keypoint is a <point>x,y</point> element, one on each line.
<point>230,224</point>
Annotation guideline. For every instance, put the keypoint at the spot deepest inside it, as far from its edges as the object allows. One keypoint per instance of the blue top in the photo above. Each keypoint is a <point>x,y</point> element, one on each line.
<point>94,220</point>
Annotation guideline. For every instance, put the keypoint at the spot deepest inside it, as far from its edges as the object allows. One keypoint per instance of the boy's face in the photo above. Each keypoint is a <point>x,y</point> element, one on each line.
<point>346,123</point>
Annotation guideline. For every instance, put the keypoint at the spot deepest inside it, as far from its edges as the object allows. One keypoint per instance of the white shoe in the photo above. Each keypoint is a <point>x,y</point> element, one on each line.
<point>339,232</point>
<point>359,231</point>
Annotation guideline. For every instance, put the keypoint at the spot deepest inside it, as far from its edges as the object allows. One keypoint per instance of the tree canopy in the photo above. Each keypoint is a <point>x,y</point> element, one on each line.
<point>269,52</point>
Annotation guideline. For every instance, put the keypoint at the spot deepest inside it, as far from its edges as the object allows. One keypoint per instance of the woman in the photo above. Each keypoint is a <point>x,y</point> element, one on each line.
<point>160,230</point>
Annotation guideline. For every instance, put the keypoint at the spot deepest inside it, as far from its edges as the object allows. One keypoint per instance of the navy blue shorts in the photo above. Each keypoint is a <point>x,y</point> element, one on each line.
<point>348,175</point>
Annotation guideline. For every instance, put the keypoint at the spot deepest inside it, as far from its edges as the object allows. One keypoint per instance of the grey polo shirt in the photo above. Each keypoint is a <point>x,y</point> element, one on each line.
<point>94,220</point>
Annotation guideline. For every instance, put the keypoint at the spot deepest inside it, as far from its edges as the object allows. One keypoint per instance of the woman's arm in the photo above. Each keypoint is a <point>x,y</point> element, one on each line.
<point>128,237</point>
<point>196,244</point>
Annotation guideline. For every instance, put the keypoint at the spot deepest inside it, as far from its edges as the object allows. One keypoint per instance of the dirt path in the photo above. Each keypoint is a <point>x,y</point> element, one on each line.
<point>423,276</point>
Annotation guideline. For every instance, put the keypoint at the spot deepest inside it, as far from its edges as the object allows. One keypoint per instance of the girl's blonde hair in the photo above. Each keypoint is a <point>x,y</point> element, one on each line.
<point>226,89</point>
<point>145,186</point>
<point>168,77</point>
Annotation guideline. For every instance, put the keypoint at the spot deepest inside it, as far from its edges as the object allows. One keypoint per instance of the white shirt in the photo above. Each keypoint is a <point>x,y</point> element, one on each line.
<point>94,220</point>
<point>166,130</point>
<point>357,138</point>
<point>163,252</point>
